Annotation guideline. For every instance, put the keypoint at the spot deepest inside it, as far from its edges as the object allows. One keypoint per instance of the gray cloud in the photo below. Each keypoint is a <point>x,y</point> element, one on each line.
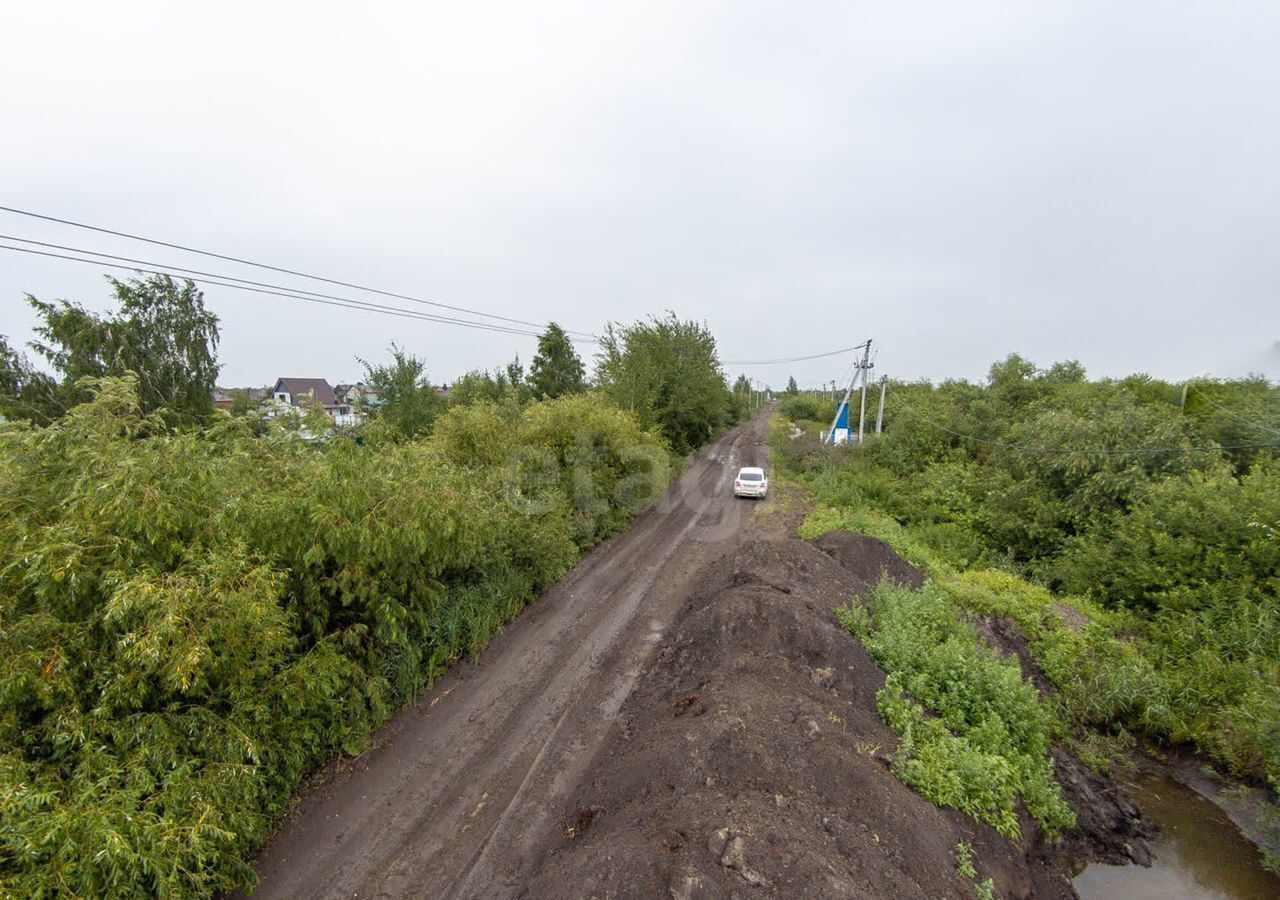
<point>959,181</point>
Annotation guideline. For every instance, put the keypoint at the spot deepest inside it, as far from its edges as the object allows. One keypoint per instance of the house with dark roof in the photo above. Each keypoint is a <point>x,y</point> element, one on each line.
<point>308,393</point>
<point>356,394</point>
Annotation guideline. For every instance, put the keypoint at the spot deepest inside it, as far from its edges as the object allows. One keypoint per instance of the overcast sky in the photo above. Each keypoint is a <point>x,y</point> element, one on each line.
<point>957,180</point>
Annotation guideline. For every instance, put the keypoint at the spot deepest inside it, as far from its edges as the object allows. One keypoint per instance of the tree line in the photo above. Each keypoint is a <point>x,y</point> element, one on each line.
<point>664,370</point>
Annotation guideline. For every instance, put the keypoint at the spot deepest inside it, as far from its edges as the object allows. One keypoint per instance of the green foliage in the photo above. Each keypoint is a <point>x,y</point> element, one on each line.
<point>804,452</point>
<point>556,369</point>
<point>667,373</point>
<point>802,409</point>
<point>488,387</point>
<point>518,385</point>
<point>242,403</point>
<point>579,449</point>
<point>407,402</point>
<point>1175,554</point>
<point>190,621</point>
<point>1237,413</point>
<point>26,393</point>
<point>985,740</point>
<point>983,890</point>
<point>161,332</point>
<point>792,389</point>
<point>743,399</point>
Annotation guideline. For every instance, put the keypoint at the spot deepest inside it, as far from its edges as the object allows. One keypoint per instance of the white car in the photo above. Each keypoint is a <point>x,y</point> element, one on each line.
<point>751,482</point>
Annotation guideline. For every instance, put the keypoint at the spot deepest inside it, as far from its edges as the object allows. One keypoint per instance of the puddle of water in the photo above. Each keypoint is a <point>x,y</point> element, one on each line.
<point>1199,854</point>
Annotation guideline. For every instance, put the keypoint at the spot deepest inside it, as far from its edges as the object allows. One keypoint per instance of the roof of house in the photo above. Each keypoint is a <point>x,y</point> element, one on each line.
<point>317,387</point>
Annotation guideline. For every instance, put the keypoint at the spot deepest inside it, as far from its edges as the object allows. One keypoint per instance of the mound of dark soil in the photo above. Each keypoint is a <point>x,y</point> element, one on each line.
<point>869,558</point>
<point>750,761</point>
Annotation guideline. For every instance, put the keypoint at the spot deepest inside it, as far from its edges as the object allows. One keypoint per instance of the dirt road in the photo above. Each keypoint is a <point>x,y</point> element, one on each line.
<point>460,786</point>
<point>681,716</point>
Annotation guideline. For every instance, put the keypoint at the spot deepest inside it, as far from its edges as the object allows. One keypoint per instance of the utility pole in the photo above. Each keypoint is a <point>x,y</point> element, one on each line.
<point>884,383</point>
<point>865,366</point>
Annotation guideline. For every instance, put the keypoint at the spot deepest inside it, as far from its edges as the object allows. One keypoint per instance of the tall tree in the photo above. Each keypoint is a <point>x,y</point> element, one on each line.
<point>406,400</point>
<point>741,408</point>
<point>519,386</point>
<point>792,387</point>
<point>668,373</point>
<point>161,332</point>
<point>557,369</point>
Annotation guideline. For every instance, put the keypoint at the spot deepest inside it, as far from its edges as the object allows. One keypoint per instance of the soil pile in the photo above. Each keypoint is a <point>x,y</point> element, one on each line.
<point>870,559</point>
<point>750,759</point>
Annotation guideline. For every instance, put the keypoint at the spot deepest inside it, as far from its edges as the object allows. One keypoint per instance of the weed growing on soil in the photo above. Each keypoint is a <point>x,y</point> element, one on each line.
<point>964,861</point>
<point>985,889</point>
<point>985,739</point>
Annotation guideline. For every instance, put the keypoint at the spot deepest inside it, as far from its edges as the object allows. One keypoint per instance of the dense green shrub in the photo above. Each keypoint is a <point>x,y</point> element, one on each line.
<point>986,741</point>
<point>807,408</point>
<point>190,621</point>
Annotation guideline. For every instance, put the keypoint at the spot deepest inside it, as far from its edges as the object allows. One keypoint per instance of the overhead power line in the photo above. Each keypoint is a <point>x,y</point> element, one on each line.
<point>773,362</point>
<point>166,269</point>
<point>346,302</point>
<point>281,269</point>
<point>1103,451</point>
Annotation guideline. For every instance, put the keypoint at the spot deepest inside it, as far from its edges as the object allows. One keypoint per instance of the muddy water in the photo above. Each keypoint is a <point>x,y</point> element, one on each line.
<point>1199,854</point>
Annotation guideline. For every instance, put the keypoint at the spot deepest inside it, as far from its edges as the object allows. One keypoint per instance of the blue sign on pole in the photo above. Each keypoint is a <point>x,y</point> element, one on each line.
<point>842,415</point>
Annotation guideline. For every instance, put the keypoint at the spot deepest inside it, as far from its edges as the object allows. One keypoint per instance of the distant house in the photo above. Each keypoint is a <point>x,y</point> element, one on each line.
<point>307,393</point>
<point>225,398</point>
<point>356,394</point>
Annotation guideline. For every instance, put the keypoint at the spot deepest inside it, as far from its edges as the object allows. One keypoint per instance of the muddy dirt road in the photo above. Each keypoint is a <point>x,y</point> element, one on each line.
<point>459,786</point>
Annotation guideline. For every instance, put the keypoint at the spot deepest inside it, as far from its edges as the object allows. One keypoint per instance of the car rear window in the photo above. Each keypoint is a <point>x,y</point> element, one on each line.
<point>750,476</point>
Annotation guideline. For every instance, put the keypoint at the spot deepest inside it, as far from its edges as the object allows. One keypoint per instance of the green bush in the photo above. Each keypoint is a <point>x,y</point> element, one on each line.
<point>801,407</point>
<point>985,738</point>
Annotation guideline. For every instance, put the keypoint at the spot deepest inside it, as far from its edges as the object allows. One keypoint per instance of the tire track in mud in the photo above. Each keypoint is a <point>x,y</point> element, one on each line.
<point>460,784</point>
